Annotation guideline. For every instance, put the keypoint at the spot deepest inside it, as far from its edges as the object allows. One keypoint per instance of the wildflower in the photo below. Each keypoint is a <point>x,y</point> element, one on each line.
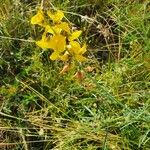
<point>56,17</point>
<point>64,26</point>
<point>53,30</point>
<point>61,40</point>
<point>56,29</point>
<point>65,56</point>
<point>38,18</point>
<point>77,51</point>
<point>44,42</point>
<point>75,35</point>
<point>58,44</point>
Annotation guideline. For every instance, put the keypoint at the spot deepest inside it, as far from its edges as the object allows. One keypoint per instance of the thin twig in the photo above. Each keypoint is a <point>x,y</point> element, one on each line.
<point>42,4</point>
<point>28,142</point>
<point>23,139</point>
<point>17,39</point>
<point>11,117</point>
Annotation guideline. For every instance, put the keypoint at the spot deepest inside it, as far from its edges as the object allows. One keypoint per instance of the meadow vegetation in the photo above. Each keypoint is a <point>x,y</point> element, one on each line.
<point>102,103</point>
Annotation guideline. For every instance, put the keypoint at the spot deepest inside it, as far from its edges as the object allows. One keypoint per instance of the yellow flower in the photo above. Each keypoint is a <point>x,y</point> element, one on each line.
<point>38,18</point>
<point>64,26</point>
<point>56,17</point>
<point>44,42</point>
<point>60,34</point>
<point>65,56</point>
<point>77,51</point>
<point>52,29</point>
<point>58,44</point>
<point>56,29</point>
<point>75,35</point>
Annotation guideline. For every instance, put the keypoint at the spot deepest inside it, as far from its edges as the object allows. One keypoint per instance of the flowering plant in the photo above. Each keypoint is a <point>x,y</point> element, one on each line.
<point>59,37</point>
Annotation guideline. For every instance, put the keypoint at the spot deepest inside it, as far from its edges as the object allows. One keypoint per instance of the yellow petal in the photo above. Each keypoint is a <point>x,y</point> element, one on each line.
<point>40,44</point>
<point>52,29</point>
<point>75,35</point>
<point>54,56</point>
<point>49,29</point>
<point>58,43</point>
<point>80,58</point>
<point>56,30</point>
<point>38,18</point>
<point>44,42</point>
<point>83,49</point>
<point>65,57</point>
<point>64,26</point>
<point>56,16</point>
<point>75,47</point>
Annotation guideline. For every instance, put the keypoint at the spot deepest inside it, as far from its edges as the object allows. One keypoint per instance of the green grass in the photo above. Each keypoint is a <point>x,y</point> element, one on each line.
<point>109,110</point>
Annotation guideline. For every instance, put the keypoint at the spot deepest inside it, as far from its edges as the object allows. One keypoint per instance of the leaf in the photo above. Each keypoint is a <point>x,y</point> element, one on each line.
<point>89,69</point>
<point>79,75</point>
<point>56,16</point>
<point>65,69</point>
<point>75,35</point>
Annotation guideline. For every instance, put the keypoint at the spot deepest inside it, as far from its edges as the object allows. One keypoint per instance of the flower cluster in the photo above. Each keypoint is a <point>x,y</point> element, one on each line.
<point>59,36</point>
